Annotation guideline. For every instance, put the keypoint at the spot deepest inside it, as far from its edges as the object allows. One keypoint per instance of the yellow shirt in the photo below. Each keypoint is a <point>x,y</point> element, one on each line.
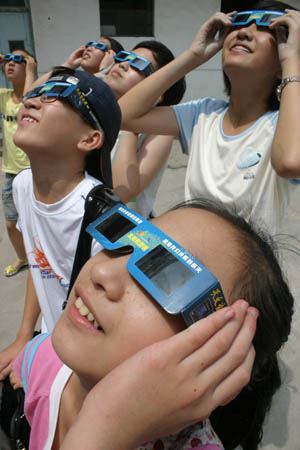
<point>14,159</point>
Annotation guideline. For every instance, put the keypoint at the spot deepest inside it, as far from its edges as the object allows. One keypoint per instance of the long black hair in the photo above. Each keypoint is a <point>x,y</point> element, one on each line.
<point>262,284</point>
<point>273,5</point>
<point>163,56</point>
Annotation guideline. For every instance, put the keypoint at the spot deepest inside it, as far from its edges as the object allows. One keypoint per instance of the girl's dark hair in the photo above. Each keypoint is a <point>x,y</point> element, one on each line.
<point>273,5</point>
<point>114,44</point>
<point>163,56</point>
<point>261,283</point>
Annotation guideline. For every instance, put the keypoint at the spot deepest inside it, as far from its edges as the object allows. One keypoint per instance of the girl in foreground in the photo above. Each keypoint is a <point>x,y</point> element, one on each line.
<point>110,319</point>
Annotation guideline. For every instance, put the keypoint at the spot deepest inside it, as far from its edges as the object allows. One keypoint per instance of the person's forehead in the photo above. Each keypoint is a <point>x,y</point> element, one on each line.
<point>208,237</point>
<point>20,52</point>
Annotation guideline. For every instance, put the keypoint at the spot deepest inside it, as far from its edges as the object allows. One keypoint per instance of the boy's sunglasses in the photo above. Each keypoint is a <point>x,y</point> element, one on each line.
<point>168,272</point>
<point>136,61</point>
<point>53,90</point>
<point>97,44</point>
<point>16,57</point>
<point>261,17</point>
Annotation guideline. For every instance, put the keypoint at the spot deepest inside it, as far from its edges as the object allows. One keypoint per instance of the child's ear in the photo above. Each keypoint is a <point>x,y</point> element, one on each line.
<point>94,139</point>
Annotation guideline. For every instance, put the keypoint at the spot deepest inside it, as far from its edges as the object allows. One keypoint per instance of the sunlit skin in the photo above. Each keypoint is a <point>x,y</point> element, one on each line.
<point>92,57</point>
<point>253,48</point>
<point>129,318</point>
<point>34,117</point>
<point>123,77</point>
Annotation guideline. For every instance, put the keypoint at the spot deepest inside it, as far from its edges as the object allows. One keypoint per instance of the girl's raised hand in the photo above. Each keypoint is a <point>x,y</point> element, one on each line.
<point>1,60</point>
<point>108,60</point>
<point>75,58</point>
<point>31,65</point>
<point>287,29</point>
<point>210,38</point>
<point>170,384</point>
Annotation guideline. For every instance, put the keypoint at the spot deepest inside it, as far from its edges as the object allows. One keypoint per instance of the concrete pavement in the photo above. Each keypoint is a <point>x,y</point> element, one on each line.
<point>282,429</point>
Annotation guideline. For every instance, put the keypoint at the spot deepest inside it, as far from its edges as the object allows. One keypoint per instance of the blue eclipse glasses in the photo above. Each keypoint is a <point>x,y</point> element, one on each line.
<point>97,44</point>
<point>136,61</point>
<point>67,90</point>
<point>261,17</point>
<point>16,57</point>
<point>168,272</point>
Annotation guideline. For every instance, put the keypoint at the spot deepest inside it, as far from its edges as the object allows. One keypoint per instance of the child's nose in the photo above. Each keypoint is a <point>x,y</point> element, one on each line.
<point>247,31</point>
<point>124,65</point>
<point>110,275</point>
<point>32,102</point>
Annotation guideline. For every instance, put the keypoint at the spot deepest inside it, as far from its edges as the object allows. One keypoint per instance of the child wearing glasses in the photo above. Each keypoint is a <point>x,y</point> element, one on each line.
<point>244,152</point>
<point>19,68</point>
<point>110,317</point>
<point>67,127</point>
<point>140,159</point>
<point>95,56</point>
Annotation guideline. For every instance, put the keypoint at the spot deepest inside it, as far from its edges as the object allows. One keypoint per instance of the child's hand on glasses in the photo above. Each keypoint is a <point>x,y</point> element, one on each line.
<point>107,60</point>
<point>31,65</point>
<point>170,384</point>
<point>211,35</point>
<point>287,29</point>
<point>74,60</point>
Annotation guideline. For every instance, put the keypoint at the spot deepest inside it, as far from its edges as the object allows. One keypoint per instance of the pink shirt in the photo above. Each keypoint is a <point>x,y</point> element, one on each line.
<point>44,377</point>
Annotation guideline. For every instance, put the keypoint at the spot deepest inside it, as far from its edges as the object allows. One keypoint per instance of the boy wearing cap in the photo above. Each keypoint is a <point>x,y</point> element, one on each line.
<point>67,127</point>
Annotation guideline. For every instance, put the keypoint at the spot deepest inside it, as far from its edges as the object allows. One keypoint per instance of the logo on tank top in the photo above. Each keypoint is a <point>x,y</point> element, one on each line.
<point>248,162</point>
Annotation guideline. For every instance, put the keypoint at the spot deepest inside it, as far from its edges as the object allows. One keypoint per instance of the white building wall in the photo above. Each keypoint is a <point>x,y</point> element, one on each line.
<point>58,29</point>
<point>60,26</point>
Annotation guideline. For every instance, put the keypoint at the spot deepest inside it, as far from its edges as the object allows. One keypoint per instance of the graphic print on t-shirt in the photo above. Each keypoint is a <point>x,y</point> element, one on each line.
<point>43,265</point>
<point>249,158</point>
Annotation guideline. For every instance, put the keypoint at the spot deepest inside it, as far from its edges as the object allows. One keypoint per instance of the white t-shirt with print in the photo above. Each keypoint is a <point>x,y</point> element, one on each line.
<point>235,170</point>
<point>50,234</point>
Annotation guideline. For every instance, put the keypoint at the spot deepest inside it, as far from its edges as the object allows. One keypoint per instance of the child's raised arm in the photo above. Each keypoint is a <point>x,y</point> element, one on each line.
<point>134,170</point>
<point>285,155</point>
<point>170,384</point>
<point>136,105</point>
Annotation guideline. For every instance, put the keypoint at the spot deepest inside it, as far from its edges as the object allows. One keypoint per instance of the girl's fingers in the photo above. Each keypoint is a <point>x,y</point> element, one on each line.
<point>232,385</point>
<point>191,339</point>
<point>219,343</point>
<point>235,357</point>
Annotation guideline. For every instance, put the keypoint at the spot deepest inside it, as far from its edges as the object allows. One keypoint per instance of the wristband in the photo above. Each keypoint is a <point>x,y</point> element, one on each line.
<point>283,83</point>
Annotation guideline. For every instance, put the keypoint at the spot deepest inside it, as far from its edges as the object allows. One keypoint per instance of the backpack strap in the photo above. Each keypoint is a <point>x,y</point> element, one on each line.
<point>30,351</point>
<point>98,201</point>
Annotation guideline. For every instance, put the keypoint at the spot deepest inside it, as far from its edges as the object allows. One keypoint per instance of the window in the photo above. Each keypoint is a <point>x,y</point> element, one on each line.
<point>12,3</point>
<point>126,18</point>
<point>15,45</point>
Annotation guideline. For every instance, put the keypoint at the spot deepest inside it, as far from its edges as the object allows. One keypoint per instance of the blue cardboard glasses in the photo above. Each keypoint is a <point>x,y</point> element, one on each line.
<point>98,44</point>
<point>68,90</point>
<point>136,61</point>
<point>168,272</point>
<point>16,57</point>
<point>261,17</point>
